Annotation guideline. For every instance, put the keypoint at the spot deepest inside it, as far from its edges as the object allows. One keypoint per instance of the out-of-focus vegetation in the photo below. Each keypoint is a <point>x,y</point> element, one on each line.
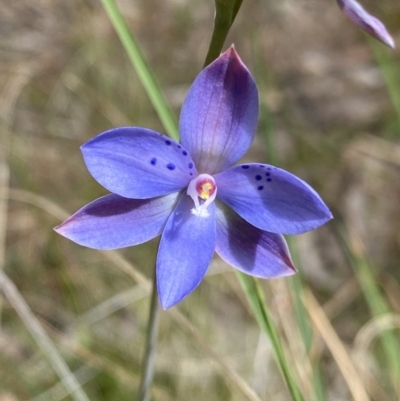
<point>329,113</point>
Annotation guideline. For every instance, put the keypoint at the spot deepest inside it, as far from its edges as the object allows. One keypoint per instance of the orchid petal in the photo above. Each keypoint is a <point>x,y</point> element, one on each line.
<point>219,116</point>
<point>112,221</point>
<point>138,163</point>
<point>185,252</point>
<point>249,249</point>
<point>271,199</point>
<point>372,25</point>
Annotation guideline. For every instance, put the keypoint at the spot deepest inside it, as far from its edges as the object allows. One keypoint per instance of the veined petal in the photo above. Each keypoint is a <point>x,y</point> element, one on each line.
<point>271,199</point>
<point>138,163</point>
<point>366,21</point>
<point>185,252</point>
<point>219,116</point>
<point>112,221</point>
<point>249,249</point>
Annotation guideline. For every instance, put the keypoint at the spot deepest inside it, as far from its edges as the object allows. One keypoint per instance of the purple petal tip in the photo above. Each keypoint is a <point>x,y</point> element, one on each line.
<point>370,24</point>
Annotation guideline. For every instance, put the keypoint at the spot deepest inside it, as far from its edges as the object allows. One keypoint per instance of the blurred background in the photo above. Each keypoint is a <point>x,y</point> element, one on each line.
<point>330,113</point>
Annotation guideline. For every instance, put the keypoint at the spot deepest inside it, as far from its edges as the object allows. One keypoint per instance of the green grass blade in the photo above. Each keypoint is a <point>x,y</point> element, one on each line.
<point>390,73</point>
<point>378,306</point>
<point>139,63</point>
<point>298,286</point>
<point>255,298</point>
<point>375,300</point>
<point>42,339</point>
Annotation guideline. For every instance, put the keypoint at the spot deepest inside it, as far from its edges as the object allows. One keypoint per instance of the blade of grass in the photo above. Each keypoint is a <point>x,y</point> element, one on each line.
<point>302,317</point>
<point>151,341</point>
<point>144,72</point>
<point>58,392</point>
<point>336,347</point>
<point>42,339</point>
<point>298,357</point>
<point>255,298</point>
<point>8,99</point>
<point>4,180</point>
<point>111,305</point>
<point>355,252</point>
<point>389,70</point>
<point>374,327</point>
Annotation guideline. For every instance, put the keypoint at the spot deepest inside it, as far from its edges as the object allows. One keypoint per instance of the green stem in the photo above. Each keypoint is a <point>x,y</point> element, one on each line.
<point>255,298</point>
<point>139,64</point>
<point>225,13</point>
<point>149,353</point>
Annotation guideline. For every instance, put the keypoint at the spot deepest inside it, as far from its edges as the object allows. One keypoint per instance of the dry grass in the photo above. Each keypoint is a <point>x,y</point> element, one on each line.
<point>64,78</point>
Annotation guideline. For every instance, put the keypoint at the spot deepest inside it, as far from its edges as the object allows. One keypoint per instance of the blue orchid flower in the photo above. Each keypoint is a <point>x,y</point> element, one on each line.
<point>191,194</point>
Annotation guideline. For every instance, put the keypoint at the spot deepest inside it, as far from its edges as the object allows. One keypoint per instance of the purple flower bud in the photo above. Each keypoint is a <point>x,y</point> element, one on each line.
<point>366,21</point>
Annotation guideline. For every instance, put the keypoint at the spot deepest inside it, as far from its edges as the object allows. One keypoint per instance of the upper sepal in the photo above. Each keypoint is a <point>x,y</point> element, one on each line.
<point>219,115</point>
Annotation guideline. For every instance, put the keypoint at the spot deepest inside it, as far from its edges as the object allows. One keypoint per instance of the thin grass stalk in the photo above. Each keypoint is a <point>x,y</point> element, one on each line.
<point>298,287</point>
<point>8,100</point>
<point>42,339</point>
<point>58,392</point>
<point>151,340</point>
<point>142,69</point>
<point>374,298</point>
<point>4,180</point>
<point>380,307</point>
<point>255,297</point>
<point>335,345</point>
<point>295,350</point>
<point>389,71</point>
<point>266,123</point>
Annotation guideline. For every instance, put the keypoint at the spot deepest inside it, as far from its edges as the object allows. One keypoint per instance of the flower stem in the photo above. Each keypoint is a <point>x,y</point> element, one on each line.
<point>148,357</point>
<point>225,13</point>
<point>256,301</point>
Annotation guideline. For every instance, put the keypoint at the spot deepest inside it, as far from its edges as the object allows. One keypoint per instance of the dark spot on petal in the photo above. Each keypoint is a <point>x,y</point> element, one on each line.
<point>245,166</point>
<point>184,152</point>
<point>269,180</point>
<point>179,146</point>
<point>267,174</point>
<point>258,177</point>
<point>191,173</point>
<point>168,142</point>
<point>261,187</point>
<point>153,161</point>
<point>170,166</point>
<point>269,168</point>
<point>190,165</point>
